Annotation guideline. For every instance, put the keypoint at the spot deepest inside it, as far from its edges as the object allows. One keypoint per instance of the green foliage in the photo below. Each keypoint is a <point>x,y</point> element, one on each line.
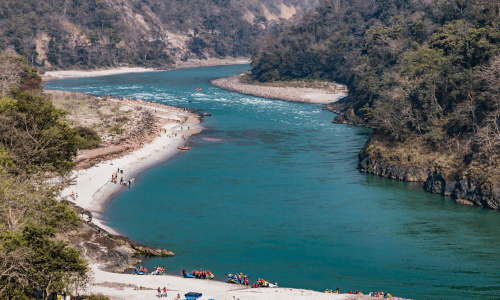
<point>117,129</point>
<point>32,129</point>
<point>87,138</point>
<point>7,103</point>
<point>412,66</point>
<point>424,61</point>
<point>5,160</point>
<point>35,135</point>
<point>433,137</point>
<point>30,256</point>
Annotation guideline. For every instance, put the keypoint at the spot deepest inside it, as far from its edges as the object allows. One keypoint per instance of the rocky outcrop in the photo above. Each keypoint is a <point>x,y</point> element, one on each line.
<point>464,190</point>
<point>345,113</point>
<point>381,167</point>
<point>116,253</point>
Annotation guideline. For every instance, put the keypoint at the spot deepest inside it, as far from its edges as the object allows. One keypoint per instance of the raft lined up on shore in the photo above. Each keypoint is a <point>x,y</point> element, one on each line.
<point>198,274</point>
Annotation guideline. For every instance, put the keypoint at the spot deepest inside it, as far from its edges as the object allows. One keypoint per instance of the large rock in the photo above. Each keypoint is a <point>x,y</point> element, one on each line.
<point>464,190</point>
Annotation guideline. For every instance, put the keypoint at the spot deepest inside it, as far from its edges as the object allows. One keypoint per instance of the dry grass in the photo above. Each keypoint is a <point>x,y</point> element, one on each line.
<point>123,124</point>
<point>417,154</point>
<point>97,113</point>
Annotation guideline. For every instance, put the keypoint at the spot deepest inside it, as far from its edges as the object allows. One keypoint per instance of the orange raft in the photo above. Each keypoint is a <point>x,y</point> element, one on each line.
<point>183,148</point>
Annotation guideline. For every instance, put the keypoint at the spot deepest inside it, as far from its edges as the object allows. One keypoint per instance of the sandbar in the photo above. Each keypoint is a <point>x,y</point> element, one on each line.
<point>290,94</point>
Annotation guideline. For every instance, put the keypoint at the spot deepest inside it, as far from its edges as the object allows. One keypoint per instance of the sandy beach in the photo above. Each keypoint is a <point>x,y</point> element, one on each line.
<point>290,94</point>
<point>127,286</point>
<point>92,187</point>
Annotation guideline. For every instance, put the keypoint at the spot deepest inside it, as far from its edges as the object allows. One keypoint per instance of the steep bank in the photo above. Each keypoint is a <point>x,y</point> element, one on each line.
<point>474,183</point>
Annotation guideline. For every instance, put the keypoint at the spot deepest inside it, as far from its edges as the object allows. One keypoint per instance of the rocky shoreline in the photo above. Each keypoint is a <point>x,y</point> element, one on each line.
<point>290,94</point>
<point>114,252</point>
<point>465,191</point>
<point>383,168</point>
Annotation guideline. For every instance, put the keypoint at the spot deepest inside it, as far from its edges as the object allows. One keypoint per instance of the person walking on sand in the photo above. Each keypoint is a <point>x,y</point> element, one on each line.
<point>164,292</point>
<point>159,292</point>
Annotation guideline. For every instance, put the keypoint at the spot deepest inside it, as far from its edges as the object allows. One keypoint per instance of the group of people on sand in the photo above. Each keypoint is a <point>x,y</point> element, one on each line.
<point>114,179</point>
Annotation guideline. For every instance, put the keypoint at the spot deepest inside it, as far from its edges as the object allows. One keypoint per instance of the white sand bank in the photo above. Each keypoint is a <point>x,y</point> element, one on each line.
<point>69,74</point>
<point>291,94</point>
<point>94,187</point>
<point>209,288</point>
<point>318,98</point>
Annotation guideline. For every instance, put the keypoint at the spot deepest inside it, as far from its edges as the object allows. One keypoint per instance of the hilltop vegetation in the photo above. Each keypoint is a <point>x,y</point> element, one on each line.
<point>422,73</point>
<point>62,34</point>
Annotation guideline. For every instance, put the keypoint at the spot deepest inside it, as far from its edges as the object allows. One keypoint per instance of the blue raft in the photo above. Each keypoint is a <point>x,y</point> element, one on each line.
<point>192,295</point>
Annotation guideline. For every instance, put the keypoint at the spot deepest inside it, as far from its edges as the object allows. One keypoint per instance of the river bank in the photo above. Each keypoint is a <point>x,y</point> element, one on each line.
<point>290,94</point>
<point>92,186</point>
<point>190,63</point>
<point>127,286</point>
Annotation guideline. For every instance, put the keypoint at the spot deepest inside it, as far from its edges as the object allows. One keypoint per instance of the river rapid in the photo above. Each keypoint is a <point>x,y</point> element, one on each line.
<point>271,189</point>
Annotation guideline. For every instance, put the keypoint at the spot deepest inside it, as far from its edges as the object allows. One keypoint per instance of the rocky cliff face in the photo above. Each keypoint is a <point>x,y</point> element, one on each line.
<point>381,167</point>
<point>465,191</point>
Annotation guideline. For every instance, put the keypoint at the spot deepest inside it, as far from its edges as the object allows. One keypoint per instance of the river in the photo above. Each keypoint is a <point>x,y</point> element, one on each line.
<point>271,189</point>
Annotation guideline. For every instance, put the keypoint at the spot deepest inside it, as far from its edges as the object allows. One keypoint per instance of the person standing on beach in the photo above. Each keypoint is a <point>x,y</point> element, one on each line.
<point>164,292</point>
<point>159,292</point>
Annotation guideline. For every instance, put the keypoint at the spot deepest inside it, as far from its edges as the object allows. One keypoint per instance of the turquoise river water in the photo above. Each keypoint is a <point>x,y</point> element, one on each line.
<point>271,189</point>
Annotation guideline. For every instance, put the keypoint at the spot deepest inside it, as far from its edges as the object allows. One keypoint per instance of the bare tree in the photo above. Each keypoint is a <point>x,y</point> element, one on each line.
<point>489,134</point>
<point>10,75</point>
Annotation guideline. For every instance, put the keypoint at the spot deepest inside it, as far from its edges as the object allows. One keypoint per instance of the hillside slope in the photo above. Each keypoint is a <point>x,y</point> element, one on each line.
<point>422,73</point>
<point>63,34</point>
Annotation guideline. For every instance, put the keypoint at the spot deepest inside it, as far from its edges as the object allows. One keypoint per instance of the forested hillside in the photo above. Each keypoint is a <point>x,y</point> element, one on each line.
<point>62,34</point>
<point>423,73</point>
